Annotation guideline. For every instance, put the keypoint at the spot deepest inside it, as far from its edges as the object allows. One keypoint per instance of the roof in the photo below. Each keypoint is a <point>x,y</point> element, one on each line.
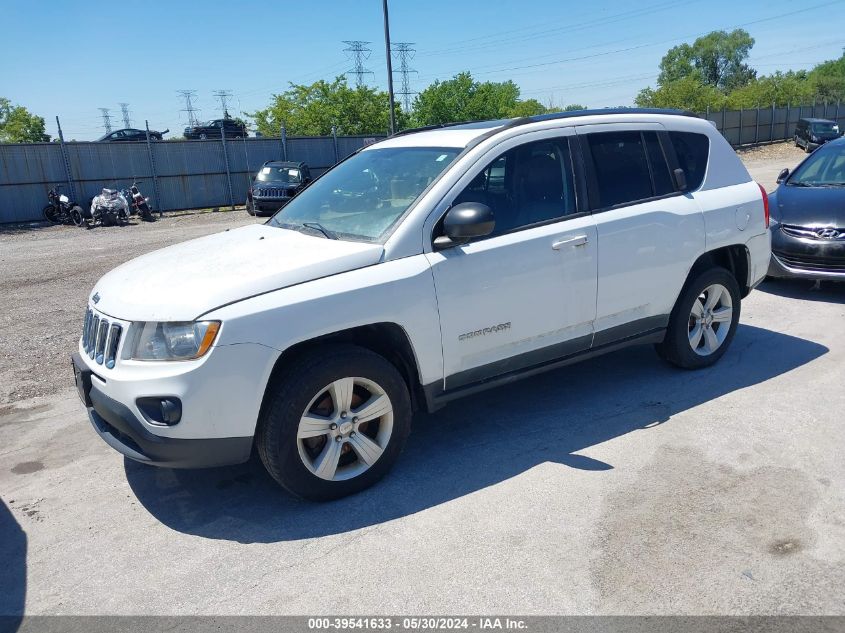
<point>812,120</point>
<point>285,163</point>
<point>463,133</point>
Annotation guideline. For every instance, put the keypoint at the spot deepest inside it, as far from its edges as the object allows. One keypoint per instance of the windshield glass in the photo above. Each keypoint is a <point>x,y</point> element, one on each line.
<point>274,173</point>
<point>364,196</point>
<point>824,167</point>
<point>825,128</point>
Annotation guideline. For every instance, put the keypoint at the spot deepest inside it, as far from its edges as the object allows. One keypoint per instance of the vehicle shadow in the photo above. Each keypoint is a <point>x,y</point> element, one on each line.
<point>805,289</point>
<point>13,578</point>
<point>473,443</point>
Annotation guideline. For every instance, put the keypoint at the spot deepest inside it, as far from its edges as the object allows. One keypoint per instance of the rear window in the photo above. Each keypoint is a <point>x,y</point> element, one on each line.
<point>692,150</point>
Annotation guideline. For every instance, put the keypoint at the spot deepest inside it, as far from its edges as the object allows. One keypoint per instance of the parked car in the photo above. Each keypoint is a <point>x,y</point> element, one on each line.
<point>275,184</point>
<point>214,129</point>
<point>130,134</point>
<point>812,133</point>
<point>424,267</point>
<point>808,217</point>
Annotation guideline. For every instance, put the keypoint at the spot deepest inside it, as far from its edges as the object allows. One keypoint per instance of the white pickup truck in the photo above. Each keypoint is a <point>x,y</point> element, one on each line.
<point>427,266</point>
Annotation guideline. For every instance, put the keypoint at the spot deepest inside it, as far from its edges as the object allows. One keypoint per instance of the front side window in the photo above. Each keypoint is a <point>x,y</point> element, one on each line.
<point>527,185</point>
<point>363,197</point>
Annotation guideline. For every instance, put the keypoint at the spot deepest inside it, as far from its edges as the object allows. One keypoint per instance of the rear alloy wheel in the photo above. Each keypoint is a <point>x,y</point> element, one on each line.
<point>334,422</point>
<point>710,320</point>
<point>703,321</point>
<point>76,216</point>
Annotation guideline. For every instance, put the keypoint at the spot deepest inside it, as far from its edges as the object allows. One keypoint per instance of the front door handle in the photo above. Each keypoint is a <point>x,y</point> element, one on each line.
<point>577,240</point>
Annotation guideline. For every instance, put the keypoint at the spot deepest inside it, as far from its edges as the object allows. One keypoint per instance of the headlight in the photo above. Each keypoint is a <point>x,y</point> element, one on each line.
<point>173,341</point>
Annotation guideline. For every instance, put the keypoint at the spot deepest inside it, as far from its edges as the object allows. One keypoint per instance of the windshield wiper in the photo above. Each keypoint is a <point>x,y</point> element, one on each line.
<point>319,227</point>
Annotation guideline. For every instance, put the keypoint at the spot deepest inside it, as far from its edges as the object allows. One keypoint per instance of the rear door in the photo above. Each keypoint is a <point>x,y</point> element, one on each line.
<point>648,232</point>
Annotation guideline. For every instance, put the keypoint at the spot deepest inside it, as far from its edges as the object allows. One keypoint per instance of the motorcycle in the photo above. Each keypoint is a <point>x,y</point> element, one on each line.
<point>109,208</point>
<point>138,204</point>
<point>61,209</point>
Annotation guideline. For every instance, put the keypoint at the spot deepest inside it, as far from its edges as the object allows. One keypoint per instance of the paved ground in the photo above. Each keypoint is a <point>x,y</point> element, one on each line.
<point>616,486</point>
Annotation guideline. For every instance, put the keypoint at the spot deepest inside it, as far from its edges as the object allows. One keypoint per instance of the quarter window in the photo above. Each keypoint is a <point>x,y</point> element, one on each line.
<point>692,151</point>
<point>528,185</point>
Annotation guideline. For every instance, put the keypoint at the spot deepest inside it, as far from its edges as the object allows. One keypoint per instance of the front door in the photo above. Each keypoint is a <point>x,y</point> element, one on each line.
<point>526,294</point>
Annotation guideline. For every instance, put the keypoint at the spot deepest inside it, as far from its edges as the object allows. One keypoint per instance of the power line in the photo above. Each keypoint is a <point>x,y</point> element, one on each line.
<point>403,51</point>
<point>106,119</point>
<point>188,95</point>
<point>124,110</point>
<point>359,52</point>
<point>224,96</point>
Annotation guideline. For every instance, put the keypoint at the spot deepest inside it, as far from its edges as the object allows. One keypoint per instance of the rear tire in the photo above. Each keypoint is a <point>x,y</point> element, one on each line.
<point>294,437</point>
<point>703,321</point>
<point>50,214</point>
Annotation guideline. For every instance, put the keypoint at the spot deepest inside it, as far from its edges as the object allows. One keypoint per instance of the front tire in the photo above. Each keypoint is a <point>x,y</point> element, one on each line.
<point>76,216</point>
<point>703,321</point>
<point>334,422</point>
<point>250,207</point>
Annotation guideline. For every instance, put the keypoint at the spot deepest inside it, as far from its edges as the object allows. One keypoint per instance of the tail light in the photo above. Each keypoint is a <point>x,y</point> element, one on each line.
<point>765,204</point>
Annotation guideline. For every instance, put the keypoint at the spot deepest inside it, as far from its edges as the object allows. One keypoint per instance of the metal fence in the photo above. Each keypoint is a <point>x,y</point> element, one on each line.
<point>174,174</point>
<point>216,173</point>
<point>766,125</point>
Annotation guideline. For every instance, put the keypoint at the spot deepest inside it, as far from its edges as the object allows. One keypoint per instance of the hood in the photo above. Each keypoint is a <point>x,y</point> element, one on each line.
<point>809,206</point>
<point>181,282</point>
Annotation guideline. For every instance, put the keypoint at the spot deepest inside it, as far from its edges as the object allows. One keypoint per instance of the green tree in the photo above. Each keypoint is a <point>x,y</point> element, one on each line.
<point>464,99</point>
<point>717,59</point>
<point>687,93</point>
<point>311,110</point>
<point>19,125</point>
<point>779,89</point>
<point>828,80</point>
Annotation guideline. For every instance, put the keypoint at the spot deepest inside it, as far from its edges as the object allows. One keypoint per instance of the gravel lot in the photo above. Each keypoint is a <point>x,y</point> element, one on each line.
<point>617,486</point>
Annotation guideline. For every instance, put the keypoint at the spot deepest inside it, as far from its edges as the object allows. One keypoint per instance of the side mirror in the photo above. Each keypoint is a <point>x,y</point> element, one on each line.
<point>680,179</point>
<point>464,222</point>
<point>783,175</point>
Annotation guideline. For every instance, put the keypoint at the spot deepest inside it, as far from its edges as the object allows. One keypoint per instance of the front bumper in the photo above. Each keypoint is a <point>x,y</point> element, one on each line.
<point>121,429</point>
<point>804,258</point>
<point>269,204</point>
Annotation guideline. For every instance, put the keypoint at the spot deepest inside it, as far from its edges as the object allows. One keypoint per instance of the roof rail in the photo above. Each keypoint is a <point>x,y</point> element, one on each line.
<point>508,123</point>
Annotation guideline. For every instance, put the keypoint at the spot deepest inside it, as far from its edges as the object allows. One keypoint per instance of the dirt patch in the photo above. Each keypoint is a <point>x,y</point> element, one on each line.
<point>48,272</point>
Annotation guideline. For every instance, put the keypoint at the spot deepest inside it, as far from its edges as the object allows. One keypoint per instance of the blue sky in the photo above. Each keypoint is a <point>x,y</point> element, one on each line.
<point>69,57</point>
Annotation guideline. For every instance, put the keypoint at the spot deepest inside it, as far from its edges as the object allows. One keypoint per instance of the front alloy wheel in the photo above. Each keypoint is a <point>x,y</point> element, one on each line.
<point>345,429</point>
<point>333,422</point>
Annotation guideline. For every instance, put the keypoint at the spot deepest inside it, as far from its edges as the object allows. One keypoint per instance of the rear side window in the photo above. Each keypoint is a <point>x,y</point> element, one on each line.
<point>620,167</point>
<point>692,150</point>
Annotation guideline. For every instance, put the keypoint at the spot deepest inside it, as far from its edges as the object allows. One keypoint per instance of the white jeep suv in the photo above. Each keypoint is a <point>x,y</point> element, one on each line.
<point>424,267</point>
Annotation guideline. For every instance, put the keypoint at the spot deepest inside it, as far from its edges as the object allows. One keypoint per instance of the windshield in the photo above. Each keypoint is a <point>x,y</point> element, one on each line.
<point>825,128</point>
<point>274,173</point>
<point>824,167</point>
<point>364,196</point>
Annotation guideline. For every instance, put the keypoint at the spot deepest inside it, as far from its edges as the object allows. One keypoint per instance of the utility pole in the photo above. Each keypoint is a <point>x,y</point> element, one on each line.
<point>404,52</point>
<point>124,110</point>
<point>188,95</point>
<point>359,52</point>
<point>389,66</point>
<point>224,96</point>
<point>106,119</point>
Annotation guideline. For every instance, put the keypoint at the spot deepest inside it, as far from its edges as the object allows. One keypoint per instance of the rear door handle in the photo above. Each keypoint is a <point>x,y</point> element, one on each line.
<point>577,240</point>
